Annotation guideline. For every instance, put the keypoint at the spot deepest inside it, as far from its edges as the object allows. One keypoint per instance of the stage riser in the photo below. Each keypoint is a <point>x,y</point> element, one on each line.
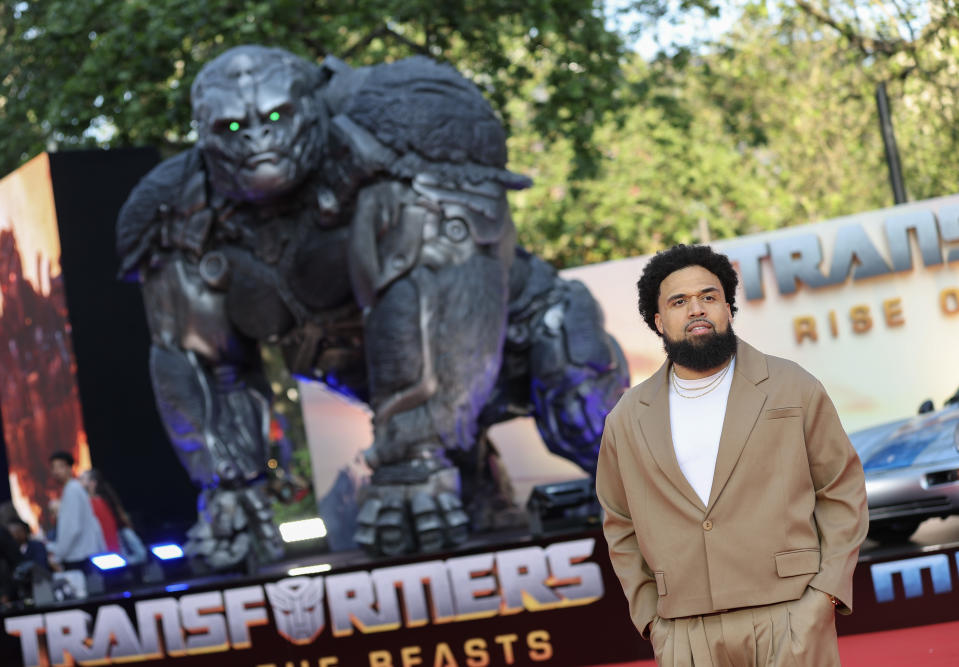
<point>554,601</point>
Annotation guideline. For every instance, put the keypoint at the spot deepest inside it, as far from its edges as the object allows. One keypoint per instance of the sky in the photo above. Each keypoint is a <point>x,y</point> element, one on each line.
<point>669,33</point>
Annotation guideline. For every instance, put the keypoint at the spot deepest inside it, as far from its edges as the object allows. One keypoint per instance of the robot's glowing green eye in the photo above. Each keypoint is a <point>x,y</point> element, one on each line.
<point>275,116</point>
<point>234,126</point>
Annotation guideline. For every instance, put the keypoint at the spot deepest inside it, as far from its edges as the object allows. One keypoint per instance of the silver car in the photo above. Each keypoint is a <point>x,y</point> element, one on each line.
<point>912,470</point>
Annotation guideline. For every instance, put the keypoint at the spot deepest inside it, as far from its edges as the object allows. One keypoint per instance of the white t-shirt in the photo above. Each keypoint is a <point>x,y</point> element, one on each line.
<point>697,424</point>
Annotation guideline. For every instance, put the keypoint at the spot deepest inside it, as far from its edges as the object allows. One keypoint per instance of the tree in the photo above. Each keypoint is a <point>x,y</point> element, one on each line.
<point>913,47</point>
<point>82,73</point>
<point>773,123</point>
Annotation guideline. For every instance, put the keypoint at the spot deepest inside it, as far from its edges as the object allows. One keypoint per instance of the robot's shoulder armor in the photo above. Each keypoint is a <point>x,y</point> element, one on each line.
<point>431,119</point>
<point>175,185</point>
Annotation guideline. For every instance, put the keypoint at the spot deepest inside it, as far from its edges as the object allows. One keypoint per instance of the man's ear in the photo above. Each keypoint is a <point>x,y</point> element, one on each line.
<point>659,323</point>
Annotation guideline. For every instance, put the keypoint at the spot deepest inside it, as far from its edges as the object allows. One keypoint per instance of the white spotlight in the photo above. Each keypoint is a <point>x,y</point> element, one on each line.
<point>108,561</point>
<point>307,529</point>
<point>309,569</point>
<point>167,551</point>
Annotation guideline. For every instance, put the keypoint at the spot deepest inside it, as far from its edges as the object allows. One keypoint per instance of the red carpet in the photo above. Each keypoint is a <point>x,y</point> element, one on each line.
<point>925,645</point>
<point>934,645</point>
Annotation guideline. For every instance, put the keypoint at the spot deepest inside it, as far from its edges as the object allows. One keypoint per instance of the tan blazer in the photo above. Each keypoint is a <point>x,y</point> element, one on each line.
<point>787,508</point>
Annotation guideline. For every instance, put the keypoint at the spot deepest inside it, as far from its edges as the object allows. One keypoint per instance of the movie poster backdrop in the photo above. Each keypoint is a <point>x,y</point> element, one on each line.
<point>38,387</point>
<point>868,303</point>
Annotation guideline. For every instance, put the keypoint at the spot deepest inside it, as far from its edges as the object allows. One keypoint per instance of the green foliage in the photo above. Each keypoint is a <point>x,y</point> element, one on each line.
<point>77,65</point>
<point>774,124</point>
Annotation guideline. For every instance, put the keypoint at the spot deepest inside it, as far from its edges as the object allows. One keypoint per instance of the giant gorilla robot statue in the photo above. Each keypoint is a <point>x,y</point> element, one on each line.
<point>358,220</point>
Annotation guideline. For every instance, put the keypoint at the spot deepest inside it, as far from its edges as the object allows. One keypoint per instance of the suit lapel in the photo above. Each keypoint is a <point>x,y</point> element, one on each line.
<point>659,439</point>
<point>745,404</point>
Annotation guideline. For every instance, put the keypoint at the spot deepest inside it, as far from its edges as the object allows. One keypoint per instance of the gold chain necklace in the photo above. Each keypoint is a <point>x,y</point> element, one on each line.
<point>703,390</point>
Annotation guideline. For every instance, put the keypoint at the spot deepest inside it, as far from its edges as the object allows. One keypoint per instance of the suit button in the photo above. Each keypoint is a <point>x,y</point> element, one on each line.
<point>708,524</point>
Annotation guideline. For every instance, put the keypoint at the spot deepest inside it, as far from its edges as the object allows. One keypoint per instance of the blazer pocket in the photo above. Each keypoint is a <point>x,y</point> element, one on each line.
<point>781,413</point>
<point>660,583</point>
<point>800,561</point>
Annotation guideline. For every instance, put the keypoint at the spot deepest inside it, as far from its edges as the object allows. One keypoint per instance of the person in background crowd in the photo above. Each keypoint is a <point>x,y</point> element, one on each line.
<point>106,506</point>
<point>17,551</point>
<point>30,550</point>
<point>114,519</point>
<point>79,534</point>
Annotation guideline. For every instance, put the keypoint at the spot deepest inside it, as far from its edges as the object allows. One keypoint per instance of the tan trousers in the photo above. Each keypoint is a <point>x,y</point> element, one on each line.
<point>798,633</point>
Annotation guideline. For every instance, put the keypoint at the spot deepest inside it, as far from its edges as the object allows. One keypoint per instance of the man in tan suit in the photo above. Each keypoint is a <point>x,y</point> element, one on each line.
<point>734,502</point>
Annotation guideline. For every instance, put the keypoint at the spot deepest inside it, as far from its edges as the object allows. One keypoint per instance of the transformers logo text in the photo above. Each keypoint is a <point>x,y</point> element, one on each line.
<point>441,591</point>
<point>297,608</point>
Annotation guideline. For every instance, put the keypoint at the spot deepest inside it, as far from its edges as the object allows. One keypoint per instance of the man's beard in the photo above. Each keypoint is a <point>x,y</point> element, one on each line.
<point>708,351</point>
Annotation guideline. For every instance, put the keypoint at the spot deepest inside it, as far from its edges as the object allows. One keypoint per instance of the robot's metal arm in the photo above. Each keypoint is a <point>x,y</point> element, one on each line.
<point>217,420</point>
<point>214,400</point>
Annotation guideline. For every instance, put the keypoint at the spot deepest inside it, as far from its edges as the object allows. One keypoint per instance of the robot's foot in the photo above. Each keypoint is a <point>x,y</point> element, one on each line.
<point>235,529</point>
<point>413,506</point>
<point>257,503</point>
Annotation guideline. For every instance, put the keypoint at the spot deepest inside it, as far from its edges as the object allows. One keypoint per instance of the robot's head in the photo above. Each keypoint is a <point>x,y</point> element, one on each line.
<point>261,123</point>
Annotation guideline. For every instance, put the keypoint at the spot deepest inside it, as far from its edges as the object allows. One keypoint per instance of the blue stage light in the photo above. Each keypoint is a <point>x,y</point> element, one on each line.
<point>109,561</point>
<point>172,588</point>
<point>167,551</point>
<point>169,561</point>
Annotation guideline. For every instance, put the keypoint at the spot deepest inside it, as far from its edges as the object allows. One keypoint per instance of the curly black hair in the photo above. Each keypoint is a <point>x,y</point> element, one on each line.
<point>679,257</point>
